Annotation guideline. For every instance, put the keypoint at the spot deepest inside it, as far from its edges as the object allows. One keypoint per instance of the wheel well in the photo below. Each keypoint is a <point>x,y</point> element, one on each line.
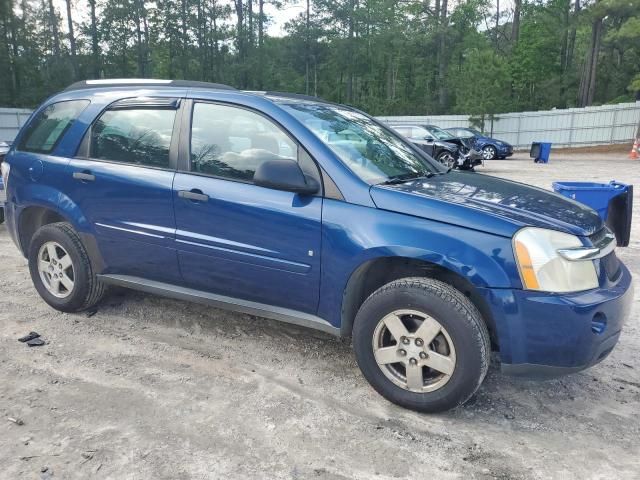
<point>31,219</point>
<point>378,272</point>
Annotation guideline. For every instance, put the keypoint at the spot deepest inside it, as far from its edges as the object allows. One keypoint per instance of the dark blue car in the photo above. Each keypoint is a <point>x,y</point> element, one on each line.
<point>313,213</point>
<point>491,148</point>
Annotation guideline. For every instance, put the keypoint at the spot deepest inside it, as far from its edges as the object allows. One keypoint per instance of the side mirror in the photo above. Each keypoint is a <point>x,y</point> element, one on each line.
<point>284,175</point>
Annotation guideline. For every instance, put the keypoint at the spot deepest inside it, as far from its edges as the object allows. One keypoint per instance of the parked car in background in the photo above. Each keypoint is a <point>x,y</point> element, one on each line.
<point>4,149</point>
<point>465,145</point>
<point>491,148</point>
<point>313,213</point>
<point>5,145</point>
<point>447,153</point>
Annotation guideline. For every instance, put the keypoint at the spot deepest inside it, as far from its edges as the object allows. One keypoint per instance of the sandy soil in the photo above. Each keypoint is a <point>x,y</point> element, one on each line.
<point>150,388</point>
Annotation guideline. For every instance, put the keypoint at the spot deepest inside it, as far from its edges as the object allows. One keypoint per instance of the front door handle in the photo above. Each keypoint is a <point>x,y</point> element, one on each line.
<point>195,195</point>
<point>85,176</point>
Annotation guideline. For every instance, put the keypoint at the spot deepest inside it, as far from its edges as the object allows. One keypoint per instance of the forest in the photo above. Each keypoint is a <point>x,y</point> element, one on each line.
<point>388,57</point>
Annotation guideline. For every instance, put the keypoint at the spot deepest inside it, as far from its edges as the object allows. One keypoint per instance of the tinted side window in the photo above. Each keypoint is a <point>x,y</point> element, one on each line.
<point>231,142</point>
<point>141,136</point>
<point>46,129</point>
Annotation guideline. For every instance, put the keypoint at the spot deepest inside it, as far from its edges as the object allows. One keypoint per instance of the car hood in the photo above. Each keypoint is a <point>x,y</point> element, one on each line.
<point>486,203</point>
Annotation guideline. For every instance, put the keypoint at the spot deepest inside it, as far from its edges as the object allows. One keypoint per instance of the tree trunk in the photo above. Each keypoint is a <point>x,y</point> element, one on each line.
<point>72,42</point>
<point>564,45</point>
<point>261,42</point>
<point>95,52</point>
<point>184,39</point>
<point>138,19</point>
<point>515,26</point>
<point>351,20</point>
<point>307,72</point>
<point>241,42</point>
<point>588,82</point>
<point>442,59</point>
<point>53,23</point>
<point>572,35</point>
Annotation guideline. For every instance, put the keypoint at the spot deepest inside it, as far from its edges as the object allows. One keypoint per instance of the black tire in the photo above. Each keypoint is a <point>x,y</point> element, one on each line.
<point>489,152</point>
<point>455,312</point>
<point>87,289</point>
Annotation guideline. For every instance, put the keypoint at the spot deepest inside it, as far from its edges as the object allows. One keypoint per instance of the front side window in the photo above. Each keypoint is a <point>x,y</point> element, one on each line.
<point>140,136</point>
<point>47,127</point>
<point>231,142</point>
<point>439,133</point>
<point>420,133</point>
<point>370,150</point>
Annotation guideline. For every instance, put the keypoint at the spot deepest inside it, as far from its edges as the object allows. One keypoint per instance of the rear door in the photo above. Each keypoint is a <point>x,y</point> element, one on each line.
<point>122,181</point>
<point>235,238</point>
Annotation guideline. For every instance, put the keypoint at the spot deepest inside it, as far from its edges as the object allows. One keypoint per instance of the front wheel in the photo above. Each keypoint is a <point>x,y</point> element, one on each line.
<point>421,344</point>
<point>61,270</point>
<point>447,159</point>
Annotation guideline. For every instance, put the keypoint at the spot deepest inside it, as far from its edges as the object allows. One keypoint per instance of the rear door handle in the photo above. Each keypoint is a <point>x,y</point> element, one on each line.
<point>195,195</point>
<point>84,176</point>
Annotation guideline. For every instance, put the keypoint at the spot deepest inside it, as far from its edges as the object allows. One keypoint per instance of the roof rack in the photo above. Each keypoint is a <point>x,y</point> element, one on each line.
<point>144,82</point>
<point>297,96</point>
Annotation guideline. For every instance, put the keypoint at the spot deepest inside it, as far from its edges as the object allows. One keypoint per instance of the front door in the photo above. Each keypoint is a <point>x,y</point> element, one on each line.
<point>122,184</point>
<point>235,238</point>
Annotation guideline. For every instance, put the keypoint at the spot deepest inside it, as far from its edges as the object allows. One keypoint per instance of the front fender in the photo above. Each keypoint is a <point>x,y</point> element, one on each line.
<point>483,259</point>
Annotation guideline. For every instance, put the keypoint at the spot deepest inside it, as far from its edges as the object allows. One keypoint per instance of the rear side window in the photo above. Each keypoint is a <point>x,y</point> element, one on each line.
<point>140,136</point>
<point>49,125</point>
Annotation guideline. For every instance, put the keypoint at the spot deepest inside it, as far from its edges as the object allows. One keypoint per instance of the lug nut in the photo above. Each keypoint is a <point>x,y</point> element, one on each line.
<point>402,352</point>
<point>405,340</point>
<point>424,355</point>
<point>419,342</point>
<point>413,361</point>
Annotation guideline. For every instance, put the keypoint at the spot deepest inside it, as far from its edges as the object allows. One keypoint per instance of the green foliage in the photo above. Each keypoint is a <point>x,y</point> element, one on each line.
<point>385,56</point>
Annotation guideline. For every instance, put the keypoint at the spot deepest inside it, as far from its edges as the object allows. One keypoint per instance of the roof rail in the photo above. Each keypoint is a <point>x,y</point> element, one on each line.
<point>144,82</point>
<point>298,96</point>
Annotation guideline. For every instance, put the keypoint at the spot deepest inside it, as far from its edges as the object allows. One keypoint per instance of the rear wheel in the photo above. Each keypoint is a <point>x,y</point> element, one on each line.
<point>421,344</point>
<point>61,270</point>
<point>489,152</point>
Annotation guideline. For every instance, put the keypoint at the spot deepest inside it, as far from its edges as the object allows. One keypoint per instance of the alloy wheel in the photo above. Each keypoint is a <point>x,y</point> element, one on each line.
<point>488,153</point>
<point>414,351</point>
<point>56,269</point>
<point>447,160</point>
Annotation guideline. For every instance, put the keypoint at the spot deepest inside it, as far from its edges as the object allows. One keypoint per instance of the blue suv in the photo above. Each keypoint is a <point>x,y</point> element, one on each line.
<point>313,213</point>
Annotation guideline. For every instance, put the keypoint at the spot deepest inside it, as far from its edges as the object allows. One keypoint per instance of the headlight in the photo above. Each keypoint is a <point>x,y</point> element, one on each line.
<point>543,268</point>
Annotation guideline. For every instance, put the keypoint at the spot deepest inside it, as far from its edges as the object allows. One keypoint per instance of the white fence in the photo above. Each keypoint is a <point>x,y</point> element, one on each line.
<point>11,119</point>
<point>572,127</point>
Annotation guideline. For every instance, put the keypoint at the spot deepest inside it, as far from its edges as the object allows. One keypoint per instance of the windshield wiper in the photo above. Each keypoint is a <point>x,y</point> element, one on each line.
<point>407,178</point>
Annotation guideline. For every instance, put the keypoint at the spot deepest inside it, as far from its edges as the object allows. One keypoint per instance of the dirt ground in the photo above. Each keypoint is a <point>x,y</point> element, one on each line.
<point>151,388</point>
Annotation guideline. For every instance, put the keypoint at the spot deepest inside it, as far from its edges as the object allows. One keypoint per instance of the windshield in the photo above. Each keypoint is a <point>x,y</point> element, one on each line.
<point>439,133</point>
<point>370,150</point>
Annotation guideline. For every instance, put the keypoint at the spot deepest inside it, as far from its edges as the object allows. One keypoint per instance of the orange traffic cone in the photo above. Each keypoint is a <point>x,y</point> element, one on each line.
<point>635,150</point>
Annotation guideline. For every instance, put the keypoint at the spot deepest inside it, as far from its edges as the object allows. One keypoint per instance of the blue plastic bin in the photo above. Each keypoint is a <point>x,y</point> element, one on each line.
<point>540,152</point>
<point>595,195</point>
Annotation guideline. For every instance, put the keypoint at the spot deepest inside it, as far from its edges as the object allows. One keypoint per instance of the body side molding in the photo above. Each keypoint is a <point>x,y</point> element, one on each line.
<point>228,303</point>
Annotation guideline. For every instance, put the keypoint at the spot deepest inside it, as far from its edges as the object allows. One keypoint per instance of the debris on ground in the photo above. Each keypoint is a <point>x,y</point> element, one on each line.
<point>28,337</point>
<point>36,342</point>
<point>17,421</point>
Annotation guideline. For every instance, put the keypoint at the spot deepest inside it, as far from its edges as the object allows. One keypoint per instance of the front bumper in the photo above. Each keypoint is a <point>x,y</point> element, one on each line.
<point>546,335</point>
<point>504,151</point>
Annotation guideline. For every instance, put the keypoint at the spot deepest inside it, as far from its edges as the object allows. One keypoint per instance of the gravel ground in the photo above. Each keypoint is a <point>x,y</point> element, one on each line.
<point>156,388</point>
